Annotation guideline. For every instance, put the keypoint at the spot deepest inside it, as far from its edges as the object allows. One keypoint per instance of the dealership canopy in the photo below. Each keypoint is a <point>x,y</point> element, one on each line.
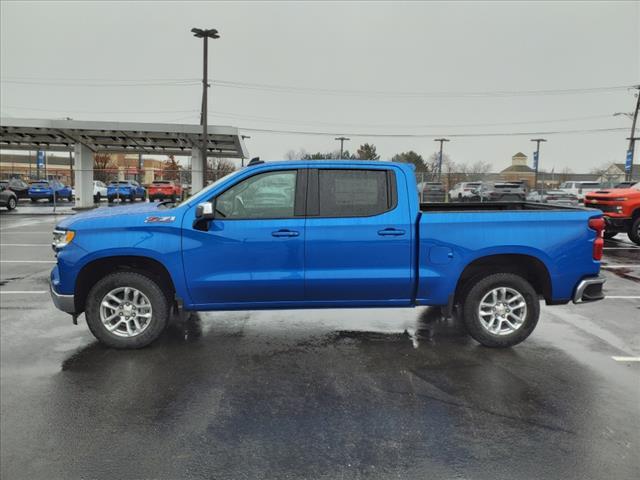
<point>118,137</point>
<point>86,138</point>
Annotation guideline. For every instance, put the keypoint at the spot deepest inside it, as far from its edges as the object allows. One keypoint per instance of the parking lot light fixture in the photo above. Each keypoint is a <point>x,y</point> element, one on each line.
<point>205,34</point>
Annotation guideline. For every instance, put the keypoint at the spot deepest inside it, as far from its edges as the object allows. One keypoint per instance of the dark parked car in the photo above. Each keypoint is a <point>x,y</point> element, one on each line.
<point>8,198</point>
<point>433,192</point>
<point>17,186</point>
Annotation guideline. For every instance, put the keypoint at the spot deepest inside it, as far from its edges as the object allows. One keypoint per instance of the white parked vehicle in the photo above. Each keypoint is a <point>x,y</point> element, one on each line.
<point>579,189</point>
<point>554,197</point>
<point>99,191</point>
<point>463,191</point>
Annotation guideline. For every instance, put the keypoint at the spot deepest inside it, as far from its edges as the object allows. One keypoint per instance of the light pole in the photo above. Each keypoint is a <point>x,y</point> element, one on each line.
<point>536,160</point>
<point>342,140</point>
<point>205,34</point>
<point>441,140</point>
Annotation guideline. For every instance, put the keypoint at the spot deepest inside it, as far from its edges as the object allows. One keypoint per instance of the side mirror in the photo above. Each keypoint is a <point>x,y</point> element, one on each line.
<point>205,211</point>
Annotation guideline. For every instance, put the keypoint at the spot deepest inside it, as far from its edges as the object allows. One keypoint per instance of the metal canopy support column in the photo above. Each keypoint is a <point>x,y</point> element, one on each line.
<point>83,176</point>
<point>197,170</point>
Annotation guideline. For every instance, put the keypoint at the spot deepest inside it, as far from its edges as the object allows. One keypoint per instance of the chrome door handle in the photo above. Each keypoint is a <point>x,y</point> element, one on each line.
<point>391,232</point>
<point>285,233</point>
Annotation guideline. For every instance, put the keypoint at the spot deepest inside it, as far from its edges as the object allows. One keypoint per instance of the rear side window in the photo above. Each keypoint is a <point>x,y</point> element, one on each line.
<point>354,193</point>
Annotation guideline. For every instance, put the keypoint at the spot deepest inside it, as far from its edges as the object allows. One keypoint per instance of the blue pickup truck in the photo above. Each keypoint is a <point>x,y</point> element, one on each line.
<point>324,234</point>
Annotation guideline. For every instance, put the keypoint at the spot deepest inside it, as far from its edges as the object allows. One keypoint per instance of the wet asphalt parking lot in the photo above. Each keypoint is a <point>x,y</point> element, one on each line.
<point>334,394</point>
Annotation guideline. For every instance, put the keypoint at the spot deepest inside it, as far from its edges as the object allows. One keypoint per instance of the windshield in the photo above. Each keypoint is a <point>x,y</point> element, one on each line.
<point>161,182</point>
<point>119,183</point>
<point>590,185</point>
<point>40,184</point>
<point>210,187</point>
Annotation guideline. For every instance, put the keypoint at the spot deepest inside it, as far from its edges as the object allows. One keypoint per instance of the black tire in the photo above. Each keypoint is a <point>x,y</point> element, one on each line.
<point>11,203</point>
<point>109,199</point>
<point>70,198</point>
<point>51,199</point>
<point>34,200</point>
<point>97,197</point>
<point>173,197</point>
<point>609,234</point>
<point>159,304</point>
<point>474,295</point>
<point>634,230</point>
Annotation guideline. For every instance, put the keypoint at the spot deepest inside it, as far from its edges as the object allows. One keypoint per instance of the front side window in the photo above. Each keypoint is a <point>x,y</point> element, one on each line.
<point>267,195</point>
<point>353,193</point>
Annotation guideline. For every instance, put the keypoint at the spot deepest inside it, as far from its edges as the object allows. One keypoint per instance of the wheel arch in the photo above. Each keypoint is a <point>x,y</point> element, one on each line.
<point>97,269</point>
<point>529,267</point>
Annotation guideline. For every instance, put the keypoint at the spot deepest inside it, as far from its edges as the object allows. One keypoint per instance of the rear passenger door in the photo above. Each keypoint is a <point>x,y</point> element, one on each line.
<point>358,238</point>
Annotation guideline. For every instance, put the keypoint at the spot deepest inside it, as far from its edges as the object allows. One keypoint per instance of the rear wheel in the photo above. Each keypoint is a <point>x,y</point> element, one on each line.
<point>634,231</point>
<point>127,310</point>
<point>501,310</point>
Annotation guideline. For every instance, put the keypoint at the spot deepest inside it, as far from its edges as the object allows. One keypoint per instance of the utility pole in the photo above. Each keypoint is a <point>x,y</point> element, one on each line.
<point>342,140</point>
<point>536,160</point>
<point>441,140</point>
<point>632,137</point>
<point>205,34</point>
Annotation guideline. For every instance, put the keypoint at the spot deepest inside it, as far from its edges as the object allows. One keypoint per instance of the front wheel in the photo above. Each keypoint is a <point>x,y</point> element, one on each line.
<point>634,231</point>
<point>127,310</point>
<point>501,310</point>
<point>11,203</point>
<point>608,234</point>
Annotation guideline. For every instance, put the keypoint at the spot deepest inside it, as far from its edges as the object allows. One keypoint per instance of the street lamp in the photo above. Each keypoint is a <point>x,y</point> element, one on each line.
<point>342,140</point>
<point>536,160</point>
<point>205,34</point>
<point>441,140</point>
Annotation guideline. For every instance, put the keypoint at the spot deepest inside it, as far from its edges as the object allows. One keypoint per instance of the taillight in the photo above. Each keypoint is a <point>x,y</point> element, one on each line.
<point>598,225</point>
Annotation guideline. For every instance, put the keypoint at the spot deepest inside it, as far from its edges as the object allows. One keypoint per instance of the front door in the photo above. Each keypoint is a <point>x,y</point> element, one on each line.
<point>252,254</point>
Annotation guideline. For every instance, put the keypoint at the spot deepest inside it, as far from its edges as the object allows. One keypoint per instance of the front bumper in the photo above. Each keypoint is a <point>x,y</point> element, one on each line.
<point>589,290</point>
<point>66,303</point>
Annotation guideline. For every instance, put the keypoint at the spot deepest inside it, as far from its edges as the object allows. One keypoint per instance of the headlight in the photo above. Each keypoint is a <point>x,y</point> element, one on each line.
<point>61,238</point>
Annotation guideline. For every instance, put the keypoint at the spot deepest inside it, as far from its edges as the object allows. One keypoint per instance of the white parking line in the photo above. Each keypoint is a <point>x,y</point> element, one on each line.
<point>625,265</point>
<point>633,297</point>
<point>2,232</point>
<point>27,261</point>
<point>25,244</point>
<point>626,359</point>
<point>622,248</point>
<point>21,292</point>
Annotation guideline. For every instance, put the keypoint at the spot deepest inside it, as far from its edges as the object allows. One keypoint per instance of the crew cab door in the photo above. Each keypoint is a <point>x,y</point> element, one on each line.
<point>252,253</point>
<point>358,237</point>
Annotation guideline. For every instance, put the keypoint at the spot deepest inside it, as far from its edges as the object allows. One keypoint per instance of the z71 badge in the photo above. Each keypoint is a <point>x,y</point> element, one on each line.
<point>159,219</point>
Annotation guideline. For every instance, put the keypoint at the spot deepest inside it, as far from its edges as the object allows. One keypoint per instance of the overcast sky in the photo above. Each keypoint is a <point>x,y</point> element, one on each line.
<point>383,50</point>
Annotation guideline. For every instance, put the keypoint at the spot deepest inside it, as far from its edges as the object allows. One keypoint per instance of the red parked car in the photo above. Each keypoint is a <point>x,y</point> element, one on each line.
<point>164,189</point>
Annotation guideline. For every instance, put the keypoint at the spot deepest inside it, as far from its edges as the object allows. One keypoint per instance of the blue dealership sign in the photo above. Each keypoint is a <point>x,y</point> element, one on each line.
<point>535,160</point>
<point>40,158</point>
<point>627,164</point>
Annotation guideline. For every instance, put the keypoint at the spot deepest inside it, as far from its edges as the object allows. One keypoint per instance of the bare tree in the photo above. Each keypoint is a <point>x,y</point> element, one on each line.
<point>103,167</point>
<point>171,169</point>
<point>219,168</point>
